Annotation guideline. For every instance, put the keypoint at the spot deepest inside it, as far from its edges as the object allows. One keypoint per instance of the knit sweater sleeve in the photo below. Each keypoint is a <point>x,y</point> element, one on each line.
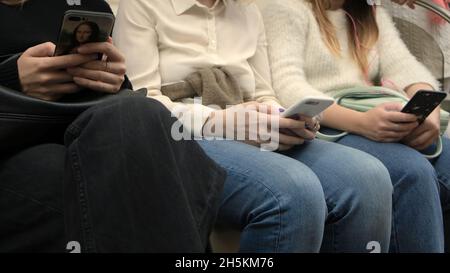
<point>287,25</point>
<point>397,64</point>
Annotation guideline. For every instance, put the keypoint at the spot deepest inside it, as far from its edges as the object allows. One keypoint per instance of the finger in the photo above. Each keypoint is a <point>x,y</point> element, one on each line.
<point>307,120</point>
<point>106,48</point>
<point>421,129</point>
<point>291,123</point>
<point>268,109</point>
<point>96,85</point>
<point>51,78</point>
<point>283,147</point>
<point>423,141</point>
<point>46,97</point>
<point>398,117</point>
<point>402,127</point>
<point>66,88</point>
<point>416,133</point>
<point>304,133</point>
<point>410,137</point>
<point>290,140</point>
<point>96,75</point>
<point>41,50</point>
<point>247,106</point>
<point>394,136</point>
<point>112,67</point>
<point>66,61</point>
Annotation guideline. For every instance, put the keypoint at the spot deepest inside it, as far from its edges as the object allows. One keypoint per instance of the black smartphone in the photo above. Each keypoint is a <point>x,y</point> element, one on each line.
<point>423,103</point>
<point>81,27</point>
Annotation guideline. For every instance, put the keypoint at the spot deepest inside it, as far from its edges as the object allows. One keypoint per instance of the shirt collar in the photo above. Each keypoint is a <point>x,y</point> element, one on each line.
<point>181,6</point>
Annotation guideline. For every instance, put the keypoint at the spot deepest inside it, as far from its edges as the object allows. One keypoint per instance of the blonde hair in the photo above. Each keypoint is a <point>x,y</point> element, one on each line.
<point>362,28</point>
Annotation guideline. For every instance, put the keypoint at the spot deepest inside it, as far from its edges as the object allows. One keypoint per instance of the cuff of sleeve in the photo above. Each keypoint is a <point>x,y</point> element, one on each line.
<point>9,74</point>
<point>193,118</point>
<point>274,104</point>
<point>403,84</point>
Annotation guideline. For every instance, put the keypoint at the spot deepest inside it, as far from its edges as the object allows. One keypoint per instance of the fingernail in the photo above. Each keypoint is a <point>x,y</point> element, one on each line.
<point>281,110</point>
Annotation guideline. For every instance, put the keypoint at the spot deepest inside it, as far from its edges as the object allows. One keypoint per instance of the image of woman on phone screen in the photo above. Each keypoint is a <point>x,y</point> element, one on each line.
<point>85,32</point>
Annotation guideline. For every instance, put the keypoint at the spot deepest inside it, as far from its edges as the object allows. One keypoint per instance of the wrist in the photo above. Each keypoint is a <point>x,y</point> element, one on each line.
<point>214,125</point>
<point>358,123</point>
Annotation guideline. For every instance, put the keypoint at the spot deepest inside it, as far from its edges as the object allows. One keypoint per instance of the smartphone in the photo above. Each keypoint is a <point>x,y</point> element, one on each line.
<point>309,106</point>
<point>423,103</point>
<point>81,27</point>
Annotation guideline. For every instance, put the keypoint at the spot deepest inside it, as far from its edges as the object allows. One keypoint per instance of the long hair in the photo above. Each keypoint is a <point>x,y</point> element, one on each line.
<point>362,28</point>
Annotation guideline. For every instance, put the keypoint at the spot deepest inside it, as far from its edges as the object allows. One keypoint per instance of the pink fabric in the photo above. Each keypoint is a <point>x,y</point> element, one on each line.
<point>436,19</point>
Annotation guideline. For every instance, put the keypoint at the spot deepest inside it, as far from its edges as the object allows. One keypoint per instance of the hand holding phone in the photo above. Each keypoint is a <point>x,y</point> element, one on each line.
<point>88,33</point>
<point>423,103</point>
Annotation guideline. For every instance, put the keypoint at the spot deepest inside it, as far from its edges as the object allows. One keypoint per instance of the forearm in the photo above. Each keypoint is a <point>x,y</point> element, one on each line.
<point>342,118</point>
<point>414,88</point>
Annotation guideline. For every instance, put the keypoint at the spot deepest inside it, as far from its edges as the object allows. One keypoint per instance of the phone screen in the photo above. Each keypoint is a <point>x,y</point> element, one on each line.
<point>82,27</point>
<point>423,103</point>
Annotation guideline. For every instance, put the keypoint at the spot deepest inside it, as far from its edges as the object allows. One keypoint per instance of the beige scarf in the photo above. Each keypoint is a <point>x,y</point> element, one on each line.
<point>215,85</point>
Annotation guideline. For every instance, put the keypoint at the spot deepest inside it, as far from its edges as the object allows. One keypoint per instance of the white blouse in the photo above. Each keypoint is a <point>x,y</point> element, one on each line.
<point>166,40</point>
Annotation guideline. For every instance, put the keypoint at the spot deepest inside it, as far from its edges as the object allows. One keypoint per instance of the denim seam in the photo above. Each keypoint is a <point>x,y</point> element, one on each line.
<point>441,179</point>
<point>209,201</point>
<point>333,229</point>
<point>394,230</point>
<point>274,196</point>
<point>37,202</point>
<point>87,230</point>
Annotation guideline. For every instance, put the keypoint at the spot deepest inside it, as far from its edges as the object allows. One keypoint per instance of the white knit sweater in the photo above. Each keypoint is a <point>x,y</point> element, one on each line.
<point>302,64</point>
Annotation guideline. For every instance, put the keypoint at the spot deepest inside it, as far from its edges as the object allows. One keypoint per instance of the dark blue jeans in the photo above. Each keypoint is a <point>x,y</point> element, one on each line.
<point>118,184</point>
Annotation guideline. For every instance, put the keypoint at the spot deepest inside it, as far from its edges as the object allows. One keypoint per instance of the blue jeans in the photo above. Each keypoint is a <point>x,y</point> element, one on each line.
<point>419,187</point>
<point>285,202</point>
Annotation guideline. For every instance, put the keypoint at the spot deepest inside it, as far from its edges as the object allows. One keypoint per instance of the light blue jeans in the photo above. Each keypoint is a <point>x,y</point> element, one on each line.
<point>318,196</point>
<point>420,186</point>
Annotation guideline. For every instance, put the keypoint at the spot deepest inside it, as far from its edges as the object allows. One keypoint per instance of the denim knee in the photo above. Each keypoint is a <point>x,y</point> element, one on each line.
<point>301,200</point>
<point>277,202</point>
<point>368,192</point>
<point>373,185</point>
<point>415,174</point>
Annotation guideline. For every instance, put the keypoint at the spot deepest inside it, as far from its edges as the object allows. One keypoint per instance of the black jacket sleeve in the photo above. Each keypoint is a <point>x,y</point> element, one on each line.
<point>9,74</point>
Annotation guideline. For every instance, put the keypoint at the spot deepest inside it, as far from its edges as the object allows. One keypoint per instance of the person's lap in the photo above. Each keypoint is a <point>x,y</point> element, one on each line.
<point>267,172</point>
<point>276,202</point>
<point>357,189</point>
<point>416,193</point>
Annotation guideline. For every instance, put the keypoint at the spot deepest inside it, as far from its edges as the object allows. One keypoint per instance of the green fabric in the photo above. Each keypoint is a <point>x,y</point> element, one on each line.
<point>363,99</point>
